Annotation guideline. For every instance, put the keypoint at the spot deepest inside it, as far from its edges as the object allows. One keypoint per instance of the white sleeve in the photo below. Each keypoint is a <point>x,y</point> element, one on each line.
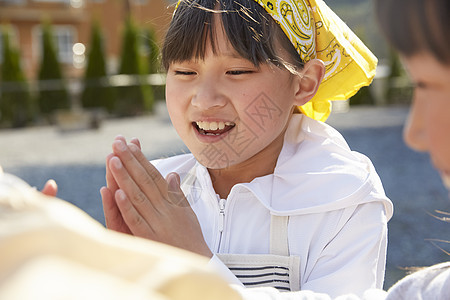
<point>354,259</point>
<point>219,267</point>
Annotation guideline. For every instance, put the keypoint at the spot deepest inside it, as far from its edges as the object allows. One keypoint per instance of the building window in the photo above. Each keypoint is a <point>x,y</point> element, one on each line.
<point>73,3</point>
<point>53,1</point>
<point>12,2</point>
<point>64,39</point>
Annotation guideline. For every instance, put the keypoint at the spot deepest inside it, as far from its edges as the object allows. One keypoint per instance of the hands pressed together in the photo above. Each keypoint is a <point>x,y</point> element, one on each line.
<point>139,201</point>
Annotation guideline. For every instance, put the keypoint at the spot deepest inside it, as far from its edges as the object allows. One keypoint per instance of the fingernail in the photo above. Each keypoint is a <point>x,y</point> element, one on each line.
<point>120,145</point>
<point>173,182</point>
<point>120,195</point>
<point>116,162</point>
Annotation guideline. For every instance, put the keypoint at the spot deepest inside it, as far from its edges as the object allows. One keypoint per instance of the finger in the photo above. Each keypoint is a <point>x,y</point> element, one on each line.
<point>140,200</point>
<point>175,194</point>
<point>132,217</point>
<point>146,177</point>
<point>113,217</point>
<point>110,181</point>
<point>50,188</point>
<point>149,168</point>
<point>136,142</point>
<point>120,138</point>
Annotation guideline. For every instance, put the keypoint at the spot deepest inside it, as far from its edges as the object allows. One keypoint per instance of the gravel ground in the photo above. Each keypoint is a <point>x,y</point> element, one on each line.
<point>76,161</point>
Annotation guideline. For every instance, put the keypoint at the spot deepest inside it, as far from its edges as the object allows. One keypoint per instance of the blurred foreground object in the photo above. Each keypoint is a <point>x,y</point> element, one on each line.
<point>50,249</point>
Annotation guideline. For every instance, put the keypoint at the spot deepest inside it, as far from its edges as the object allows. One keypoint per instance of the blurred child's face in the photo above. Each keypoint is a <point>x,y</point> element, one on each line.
<point>428,126</point>
<point>226,110</point>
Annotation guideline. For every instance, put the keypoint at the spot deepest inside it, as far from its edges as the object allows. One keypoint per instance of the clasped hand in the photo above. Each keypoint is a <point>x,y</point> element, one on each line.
<point>139,201</point>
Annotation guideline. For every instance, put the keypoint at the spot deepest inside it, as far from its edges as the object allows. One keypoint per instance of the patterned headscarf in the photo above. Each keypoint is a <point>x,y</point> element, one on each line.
<point>317,32</point>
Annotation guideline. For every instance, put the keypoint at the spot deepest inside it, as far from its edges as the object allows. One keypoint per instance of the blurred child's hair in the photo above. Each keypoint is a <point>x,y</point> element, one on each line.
<point>417,26</point>
<point>251,31</point>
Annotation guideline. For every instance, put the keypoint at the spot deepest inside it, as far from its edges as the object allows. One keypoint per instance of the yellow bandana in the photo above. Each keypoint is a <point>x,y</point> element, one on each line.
<point>317,32</point>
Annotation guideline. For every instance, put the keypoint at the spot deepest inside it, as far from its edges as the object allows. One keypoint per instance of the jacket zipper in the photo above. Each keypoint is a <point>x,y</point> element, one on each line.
<point>222,203</point>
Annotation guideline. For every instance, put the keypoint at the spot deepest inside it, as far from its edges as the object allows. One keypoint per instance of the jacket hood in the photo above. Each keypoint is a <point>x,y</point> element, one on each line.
<point>317,168</point>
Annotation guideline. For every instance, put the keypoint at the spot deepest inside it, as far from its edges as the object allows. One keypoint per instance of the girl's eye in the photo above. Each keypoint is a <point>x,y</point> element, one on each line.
<point>420,85</point>
<point>239,72</point>
<point>185,73</point>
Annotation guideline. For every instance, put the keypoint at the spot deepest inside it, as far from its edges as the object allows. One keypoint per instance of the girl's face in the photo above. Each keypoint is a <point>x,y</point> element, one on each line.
<point>428,125</point>
<point>226,110</point>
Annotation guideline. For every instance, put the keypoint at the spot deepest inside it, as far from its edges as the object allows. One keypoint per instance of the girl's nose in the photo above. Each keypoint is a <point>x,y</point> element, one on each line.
<point>415,134</point>
<point>208,95</point>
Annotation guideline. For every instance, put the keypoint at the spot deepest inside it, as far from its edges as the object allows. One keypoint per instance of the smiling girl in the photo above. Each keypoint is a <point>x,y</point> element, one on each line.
<point>269,192</point>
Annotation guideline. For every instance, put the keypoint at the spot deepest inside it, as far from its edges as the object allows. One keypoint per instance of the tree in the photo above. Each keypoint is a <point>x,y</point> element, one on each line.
<point>363,96</point>
<point>136,98</point>
<point>53,93</point>
<point>153,51</point>
<point>97,91</point>
<point>153,63</point>
<point>399,87</point>
<point>15,100</point>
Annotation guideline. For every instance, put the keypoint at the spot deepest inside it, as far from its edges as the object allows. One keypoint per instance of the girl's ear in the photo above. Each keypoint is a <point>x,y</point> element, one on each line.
<point>309,81</point>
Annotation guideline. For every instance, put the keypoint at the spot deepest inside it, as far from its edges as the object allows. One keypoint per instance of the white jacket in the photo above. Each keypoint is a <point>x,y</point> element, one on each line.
<point>337,210</point>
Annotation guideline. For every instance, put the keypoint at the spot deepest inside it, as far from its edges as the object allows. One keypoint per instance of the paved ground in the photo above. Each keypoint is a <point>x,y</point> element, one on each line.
<point>75,161</point>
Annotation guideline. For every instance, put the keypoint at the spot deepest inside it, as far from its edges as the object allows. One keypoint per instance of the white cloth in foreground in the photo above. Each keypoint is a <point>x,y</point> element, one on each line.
<point>432,283</point>
<point>49,249</point>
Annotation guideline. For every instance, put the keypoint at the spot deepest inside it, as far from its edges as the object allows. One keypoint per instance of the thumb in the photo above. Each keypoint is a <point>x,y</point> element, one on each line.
<point>176,195</point>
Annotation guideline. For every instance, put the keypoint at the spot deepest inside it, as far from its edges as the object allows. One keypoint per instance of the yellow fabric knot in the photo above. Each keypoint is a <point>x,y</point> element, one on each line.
<point>317,32</point>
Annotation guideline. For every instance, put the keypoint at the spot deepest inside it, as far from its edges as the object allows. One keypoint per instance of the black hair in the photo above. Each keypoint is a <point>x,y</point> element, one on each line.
<point>416,26</point>
<point>251,31</point>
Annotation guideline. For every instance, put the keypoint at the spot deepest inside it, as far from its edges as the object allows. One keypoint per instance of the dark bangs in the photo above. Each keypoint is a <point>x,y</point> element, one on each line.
<point>249,28</point>
<point>415,26</point>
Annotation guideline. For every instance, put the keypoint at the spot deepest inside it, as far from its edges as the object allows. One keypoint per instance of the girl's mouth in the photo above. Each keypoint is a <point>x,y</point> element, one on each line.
<point>213,128</point>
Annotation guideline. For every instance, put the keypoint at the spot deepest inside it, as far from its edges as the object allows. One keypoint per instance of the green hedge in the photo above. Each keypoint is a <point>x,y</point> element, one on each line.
<point>135,99</point>
<point>97,91</point>
<point>53,94</point>
<point>15,100</point>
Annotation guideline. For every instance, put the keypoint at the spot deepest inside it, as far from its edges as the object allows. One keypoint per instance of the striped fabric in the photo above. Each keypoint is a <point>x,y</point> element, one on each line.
<point>265,270</point>
<point>273,276</point>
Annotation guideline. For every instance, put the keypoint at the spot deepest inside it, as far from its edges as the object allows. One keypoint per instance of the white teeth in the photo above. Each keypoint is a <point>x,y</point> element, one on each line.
<point>213,125</point>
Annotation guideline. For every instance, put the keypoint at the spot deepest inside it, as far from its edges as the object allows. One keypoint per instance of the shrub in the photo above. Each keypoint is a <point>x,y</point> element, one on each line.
<point>97,92</point>
<point>136,98</point>
<point>53,94</point>
<point>153,51</point>
<point>153,62</point>
<point>15,100</point>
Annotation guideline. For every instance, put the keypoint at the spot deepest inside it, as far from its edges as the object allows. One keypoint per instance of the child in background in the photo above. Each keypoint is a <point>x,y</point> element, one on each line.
<point>271,194</point>
<point>419,30</point>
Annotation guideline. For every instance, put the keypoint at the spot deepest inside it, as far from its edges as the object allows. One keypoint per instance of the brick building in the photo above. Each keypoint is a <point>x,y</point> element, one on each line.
<point>71,22</point>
